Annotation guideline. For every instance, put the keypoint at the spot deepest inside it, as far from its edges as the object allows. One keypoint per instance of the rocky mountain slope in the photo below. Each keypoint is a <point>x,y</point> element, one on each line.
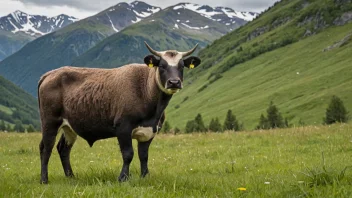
<point>224,15</point>
<point>19,28</point>
<point>172,28</point>
<point>11,43</point>
<point>34,25</point>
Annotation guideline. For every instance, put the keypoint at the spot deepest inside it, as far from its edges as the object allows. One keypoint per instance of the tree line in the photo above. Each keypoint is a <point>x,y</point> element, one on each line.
<point>335,113</point>
<point>197,125</point>
<point>17,127</point>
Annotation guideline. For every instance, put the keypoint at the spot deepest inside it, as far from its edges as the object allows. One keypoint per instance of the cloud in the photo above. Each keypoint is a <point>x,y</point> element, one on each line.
<point>8,6</point>
<point>250,5</point>
<point>89,5</point>
<point>84,8</point>
<point>98,5</point>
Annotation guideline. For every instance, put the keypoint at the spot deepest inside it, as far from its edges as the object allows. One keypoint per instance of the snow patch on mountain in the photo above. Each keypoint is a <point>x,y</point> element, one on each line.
<point>142,14</point>
<point>247,16</point>
<point>154,9</point>
<point>195,28</point>
<point>197,8</point>
<point>137,20</point>
<point>210,12</point>
<point>112,24</point>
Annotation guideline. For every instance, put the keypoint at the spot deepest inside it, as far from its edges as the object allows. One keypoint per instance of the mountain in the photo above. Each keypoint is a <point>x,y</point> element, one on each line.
<point>34,25</point>
<point>179,26</point>
<point>19,28</point>
<point>11,43</point>
<point>59,48</point>
<point>16,104</point>
<point>224,15</point>
<point>176,27</point>
<point>172,28</point>
<point>296,54</point>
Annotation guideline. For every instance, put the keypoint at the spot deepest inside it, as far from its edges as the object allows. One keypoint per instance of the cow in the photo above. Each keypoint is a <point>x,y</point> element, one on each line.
<point>126,102</point>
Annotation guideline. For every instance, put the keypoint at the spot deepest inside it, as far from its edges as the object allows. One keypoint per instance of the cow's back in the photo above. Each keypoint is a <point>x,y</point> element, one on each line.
<point>90,99</point>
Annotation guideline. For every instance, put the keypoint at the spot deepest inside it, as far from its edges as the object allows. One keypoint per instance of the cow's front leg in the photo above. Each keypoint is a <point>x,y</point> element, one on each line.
<point>143,148</point>
<point>126,148</point>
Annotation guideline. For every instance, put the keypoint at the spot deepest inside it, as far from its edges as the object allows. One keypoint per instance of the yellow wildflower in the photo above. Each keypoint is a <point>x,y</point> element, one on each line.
<point>242,189</point>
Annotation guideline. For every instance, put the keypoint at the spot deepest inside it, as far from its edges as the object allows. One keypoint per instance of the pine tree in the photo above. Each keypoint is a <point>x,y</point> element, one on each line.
<point>18,126</point>
<point>215,125</point>
<point>176,130</point>
<point>286,123</point>
<point>231,122</point>
<point>199,124</point>
<point>273,120</point>
<point>263,123</point>
<point>8,128</point>
<point>190,126</point>
<point>166,127</point>
<point>30,129</point>
<point>2,126</point>
<point>301,122</point>
<point>336,112</point>
<point>274,117</point>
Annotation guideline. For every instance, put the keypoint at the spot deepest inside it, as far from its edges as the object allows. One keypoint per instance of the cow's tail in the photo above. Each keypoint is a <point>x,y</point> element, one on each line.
<point>40,83</point>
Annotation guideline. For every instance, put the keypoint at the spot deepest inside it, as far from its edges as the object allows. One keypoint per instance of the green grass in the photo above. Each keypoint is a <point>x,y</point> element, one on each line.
<point>248,88</point>
<point>193,165</point>
<point>6,109</point>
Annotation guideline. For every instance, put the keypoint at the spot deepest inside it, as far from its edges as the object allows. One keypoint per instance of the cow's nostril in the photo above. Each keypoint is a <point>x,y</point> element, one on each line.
<point>174,82</point>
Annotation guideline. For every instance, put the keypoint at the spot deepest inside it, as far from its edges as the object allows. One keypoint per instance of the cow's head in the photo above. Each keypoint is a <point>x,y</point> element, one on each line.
<point>169,67</point>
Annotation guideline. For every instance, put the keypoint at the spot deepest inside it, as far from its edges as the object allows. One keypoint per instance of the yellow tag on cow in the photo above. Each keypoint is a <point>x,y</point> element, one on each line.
<point>151,65</point>
<point>191,66</point>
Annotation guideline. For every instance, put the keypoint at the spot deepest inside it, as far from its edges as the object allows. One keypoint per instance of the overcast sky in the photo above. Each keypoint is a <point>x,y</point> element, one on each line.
<point>85,8</point>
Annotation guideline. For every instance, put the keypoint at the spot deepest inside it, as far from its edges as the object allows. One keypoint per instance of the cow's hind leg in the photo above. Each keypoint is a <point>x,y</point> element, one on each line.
<point>143,148</point>
<point>125,142</point>
<point>46,146</point>
<point>64,147</point>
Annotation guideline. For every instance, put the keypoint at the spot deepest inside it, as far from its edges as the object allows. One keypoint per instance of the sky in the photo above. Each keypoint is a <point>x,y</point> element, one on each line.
<point>84,8</point>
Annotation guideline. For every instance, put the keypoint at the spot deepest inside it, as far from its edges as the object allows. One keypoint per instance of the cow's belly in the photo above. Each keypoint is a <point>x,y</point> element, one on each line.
<point>91,133</point>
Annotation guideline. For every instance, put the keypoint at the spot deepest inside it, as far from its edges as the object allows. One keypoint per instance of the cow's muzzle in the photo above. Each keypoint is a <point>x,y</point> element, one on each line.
<point>174,84</point>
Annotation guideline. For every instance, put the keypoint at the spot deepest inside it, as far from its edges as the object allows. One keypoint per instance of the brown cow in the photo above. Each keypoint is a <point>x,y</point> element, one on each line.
<point>126,102</point>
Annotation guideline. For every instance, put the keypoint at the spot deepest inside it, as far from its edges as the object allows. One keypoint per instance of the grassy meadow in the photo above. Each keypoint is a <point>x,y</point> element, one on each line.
<point>309,161</point>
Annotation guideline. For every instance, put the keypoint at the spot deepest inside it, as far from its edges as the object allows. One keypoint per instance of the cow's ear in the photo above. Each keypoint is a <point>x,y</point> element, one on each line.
<point>192,62</point>
<point>151,61</point>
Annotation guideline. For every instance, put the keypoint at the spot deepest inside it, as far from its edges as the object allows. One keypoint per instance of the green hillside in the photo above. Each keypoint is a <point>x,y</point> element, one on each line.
<point>15,104</point>
<point>242,71</point>
<point>48,52</point>
<point>11,43</point>
<point>159,30</point>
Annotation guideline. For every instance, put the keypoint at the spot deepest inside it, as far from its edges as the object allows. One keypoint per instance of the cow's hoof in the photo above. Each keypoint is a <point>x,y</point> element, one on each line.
<point>144,174</point>
<point>70,175</point>
<point>44,182</point>
<point>123,178</point>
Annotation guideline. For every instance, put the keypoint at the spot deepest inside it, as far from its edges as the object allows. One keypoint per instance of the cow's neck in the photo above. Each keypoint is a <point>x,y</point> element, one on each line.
<point>156,89</point>
<point>156,94</point>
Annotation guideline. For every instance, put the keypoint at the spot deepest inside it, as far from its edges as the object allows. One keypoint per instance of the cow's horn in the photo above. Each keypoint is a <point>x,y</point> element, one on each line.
<point>156,53</point>
<point>184,54</point>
